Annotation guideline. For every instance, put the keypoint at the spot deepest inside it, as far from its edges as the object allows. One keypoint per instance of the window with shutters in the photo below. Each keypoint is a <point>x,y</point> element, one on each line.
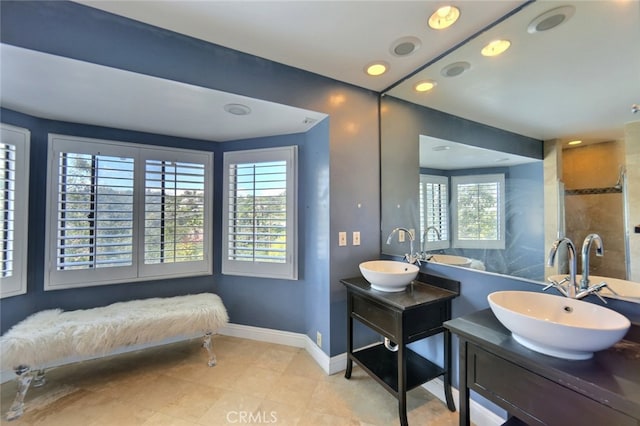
<point>434,212</point>
<point>122,212</point>
<point>478,203</point>
<point>259,213</point>
<point>14,198</point>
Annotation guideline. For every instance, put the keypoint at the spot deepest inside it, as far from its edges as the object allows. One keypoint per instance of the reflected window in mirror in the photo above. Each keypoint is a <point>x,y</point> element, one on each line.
<point>434,212</point>
<point>478,203</point>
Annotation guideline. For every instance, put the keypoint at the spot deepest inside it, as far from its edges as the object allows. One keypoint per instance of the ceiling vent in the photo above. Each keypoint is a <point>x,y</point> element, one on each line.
<point>551,19</point>
<point>455,69</point>
<point>405,46</point>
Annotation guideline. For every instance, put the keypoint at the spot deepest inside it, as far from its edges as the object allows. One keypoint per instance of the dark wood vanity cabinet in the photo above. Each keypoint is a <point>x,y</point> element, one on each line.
<point>537,389</point>
<point>403,318</point>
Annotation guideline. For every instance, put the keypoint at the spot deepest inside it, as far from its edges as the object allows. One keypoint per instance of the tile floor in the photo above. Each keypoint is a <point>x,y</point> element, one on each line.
<point>253,383</point>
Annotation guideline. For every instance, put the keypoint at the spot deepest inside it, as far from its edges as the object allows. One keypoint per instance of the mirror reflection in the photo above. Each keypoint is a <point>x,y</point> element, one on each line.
<point>474,207</point>
<point>521,103</point>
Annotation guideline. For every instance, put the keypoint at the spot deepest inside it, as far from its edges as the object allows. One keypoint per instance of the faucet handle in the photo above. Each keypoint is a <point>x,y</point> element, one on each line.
<point>558,286</point>
<point>412,258</point>
<point>555,284</point>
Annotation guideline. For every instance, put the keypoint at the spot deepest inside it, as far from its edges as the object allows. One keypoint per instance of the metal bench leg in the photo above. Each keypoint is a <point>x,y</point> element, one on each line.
<point>208,345</point>
<point>24,380</point>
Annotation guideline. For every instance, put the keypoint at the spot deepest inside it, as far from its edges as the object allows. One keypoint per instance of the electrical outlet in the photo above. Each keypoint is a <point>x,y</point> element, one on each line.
<point>342,239</point>
<point>356,238</point>
<point>319,339</point>
<point>401,236</point>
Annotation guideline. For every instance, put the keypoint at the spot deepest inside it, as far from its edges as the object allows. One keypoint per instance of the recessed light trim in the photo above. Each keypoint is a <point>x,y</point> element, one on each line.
<point>424,86</point>
<point>455,69</point>
<point>444,17</point>
<point>441,148</point>
<point>237,109</point>
<point>550,19</point>
<point>405,46</point>
<point>376,68</point>
<point>495,48</point>
<point>576,142</point>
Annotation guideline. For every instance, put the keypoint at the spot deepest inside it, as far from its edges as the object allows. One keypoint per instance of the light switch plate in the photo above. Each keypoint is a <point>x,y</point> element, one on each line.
<point>356,238</point>
<point>342,239</point>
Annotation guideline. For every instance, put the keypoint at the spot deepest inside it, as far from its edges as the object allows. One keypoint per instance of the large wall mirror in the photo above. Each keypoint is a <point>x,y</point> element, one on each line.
<point>471,165</point>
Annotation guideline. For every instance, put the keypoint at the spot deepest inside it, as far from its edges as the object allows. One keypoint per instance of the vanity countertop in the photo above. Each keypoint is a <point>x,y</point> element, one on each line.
<point>611,377</point>
<point>419,292</point>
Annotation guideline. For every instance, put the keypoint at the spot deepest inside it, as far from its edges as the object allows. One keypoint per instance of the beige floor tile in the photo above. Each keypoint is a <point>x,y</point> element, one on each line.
<point>253,383</point>
<point>231,408</point>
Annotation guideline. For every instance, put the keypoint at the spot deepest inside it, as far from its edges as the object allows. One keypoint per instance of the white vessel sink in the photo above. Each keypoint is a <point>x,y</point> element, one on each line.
<point>626,290</point>
<point>449,259</point>
<point>556,325</point>
<point>388,275</point>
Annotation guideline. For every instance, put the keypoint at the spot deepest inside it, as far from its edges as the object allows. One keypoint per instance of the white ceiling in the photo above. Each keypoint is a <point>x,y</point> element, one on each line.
<point>438,154</point>
<point>39,84</point>
<point>546,98</point>
<point>575,81</point>
<point>336,38</point>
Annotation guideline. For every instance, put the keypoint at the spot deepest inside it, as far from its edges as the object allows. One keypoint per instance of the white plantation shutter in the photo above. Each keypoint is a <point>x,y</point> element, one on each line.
<point>178,189</point>
<point>94,211</point>
<point>479,206</point>
<point>259,235</point>
<point>434,212</point>
<point>14,195</point>
<point>122,212</point>
<point>174,212</point>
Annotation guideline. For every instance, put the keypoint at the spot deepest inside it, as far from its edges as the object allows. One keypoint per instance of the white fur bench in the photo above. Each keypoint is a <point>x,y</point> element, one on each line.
<point>53,335</point>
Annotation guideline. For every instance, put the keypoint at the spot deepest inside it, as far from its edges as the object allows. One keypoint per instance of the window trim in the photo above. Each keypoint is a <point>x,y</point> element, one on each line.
<point>21,138</point>
<point>498,243</point>
<point>54,279</point>
<point>289,269</point>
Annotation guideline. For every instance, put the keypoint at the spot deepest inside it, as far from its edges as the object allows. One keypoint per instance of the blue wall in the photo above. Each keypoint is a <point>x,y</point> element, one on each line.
<point>244,304</point>
<point>524,213</point>
<point>340,188</point>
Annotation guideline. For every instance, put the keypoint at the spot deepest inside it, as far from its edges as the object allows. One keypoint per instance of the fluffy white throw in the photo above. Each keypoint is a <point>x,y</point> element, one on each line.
<point>53,334</point>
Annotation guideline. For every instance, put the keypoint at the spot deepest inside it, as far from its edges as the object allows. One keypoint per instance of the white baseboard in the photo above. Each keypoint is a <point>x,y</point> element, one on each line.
<point>330,365</point>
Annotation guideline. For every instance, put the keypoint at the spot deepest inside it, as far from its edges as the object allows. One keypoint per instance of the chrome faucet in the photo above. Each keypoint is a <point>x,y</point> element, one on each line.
<point>570,291</point>
<point>586,248</point>
<point>426,232</point>
<point>410,257</point>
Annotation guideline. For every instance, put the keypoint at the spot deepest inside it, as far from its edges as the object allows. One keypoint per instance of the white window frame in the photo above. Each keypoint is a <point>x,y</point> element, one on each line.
<point>498,243</point>
<point>20,138</point>
<point>289,269</point>
<point>444,242</point>
<point>60,279</point>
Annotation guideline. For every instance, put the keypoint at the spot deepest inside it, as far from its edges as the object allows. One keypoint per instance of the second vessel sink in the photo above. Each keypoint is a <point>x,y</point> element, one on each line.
<point>388,275</point>
<point>449,259</point>
<point>556,325</point>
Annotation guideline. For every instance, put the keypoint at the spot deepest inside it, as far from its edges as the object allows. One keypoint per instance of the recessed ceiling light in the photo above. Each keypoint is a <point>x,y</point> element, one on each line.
<point>444,17</point>
<point>376,68</point>
<point>424,85</point>
<point>237,109</point>
<point>495,48</point>
<point>455,69</point>
<point>405,46</point>
<point>550,19</point>
<point>574,143</point>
